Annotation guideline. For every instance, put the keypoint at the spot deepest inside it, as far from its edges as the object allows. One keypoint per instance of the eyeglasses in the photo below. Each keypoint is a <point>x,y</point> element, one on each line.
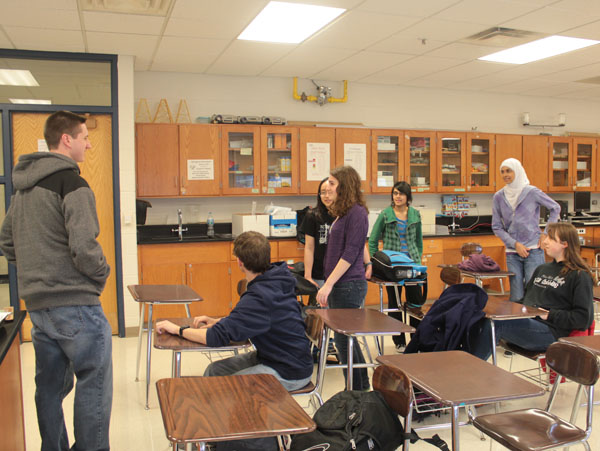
<point>397,193</point>
<point>323,193</point>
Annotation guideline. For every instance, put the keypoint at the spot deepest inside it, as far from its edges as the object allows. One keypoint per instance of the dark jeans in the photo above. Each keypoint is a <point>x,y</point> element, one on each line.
<point>414,295</point>
<point>350,294</point>
<point>73,341</point>
<point>527,333</point>
<point>523,269</point>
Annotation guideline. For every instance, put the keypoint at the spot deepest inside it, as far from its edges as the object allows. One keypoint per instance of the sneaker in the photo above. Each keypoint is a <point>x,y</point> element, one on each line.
<point>508,353</point>
<point>400,349</point>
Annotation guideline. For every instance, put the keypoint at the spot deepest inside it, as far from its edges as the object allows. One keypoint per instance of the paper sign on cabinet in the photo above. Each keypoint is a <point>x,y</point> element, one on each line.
<point>200,170</point>
<point>317,161</point>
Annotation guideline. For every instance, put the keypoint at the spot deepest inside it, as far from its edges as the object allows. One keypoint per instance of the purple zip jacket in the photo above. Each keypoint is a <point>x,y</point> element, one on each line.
<point>521,224</point>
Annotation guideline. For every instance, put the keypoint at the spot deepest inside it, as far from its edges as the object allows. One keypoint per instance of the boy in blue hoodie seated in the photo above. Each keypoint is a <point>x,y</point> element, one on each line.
<point>268,314</point>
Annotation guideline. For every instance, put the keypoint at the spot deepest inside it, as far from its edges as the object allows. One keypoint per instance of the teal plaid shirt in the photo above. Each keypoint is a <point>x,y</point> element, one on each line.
<point>386,227</point>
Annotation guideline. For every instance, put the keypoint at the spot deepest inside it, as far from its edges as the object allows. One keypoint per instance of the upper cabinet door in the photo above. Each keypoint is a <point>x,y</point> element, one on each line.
<point>561,174</point>
<point>452,170</point>
<point>387,155</point>
<point>157,160</point>
<point>420,160</point>
<point>199,160</point>
<point>317,157</point>
<point>584,164</point>
<point>353,148</point>
<point>481,151</point>
<point>535,160</point>
<point>279,160</point>
<point>240,146</point>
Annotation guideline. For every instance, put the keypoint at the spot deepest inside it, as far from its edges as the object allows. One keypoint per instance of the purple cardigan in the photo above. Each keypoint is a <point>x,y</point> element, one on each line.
<point>346,240</point>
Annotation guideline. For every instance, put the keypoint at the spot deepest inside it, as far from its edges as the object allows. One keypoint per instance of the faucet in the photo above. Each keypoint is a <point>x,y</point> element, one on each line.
<point>180,228</point>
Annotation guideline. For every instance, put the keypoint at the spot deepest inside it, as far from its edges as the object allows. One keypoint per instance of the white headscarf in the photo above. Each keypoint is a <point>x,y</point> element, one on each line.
<point>512,191</point>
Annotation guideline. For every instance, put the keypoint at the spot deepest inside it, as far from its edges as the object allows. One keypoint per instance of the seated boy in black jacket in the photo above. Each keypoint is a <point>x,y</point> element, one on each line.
<point>268,314</point>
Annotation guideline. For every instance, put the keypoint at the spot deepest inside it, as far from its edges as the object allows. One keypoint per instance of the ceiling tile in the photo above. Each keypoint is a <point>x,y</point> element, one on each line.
<point>4,41</point>
<point>186,54</point>
<point>403,43</point>
<point>521,86</point>
<point>589,31</point>
<point>360,65</point>
<point>550,20</point>
<point>583,94</point>
<point>140,46</point>
<point>346,32</point>
<point>305,61</point>
<point>458,50</point>
<point>553,90</point>
<point>248,57</point>
<point>411,69</point>
<point>591,7</point>
<point>33,39</point>
<point>442,30</point>
<point>488,12</point>
<point>415,9</point>
<point>122,23</point>
<point>466,71</point>
<point>22,15</point>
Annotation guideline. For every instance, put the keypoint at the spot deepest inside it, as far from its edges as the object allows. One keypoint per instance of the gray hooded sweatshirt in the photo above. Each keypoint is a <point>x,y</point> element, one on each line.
<point>50,233</point>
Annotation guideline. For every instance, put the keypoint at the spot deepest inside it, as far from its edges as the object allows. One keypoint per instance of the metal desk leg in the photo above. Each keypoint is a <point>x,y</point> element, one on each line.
<point>455,426</point>
<point>381,307</point>
<point>323,356</point>
<point>139,345</point>
<point>501,279</point>
<point>177,363</point>
<point>187,310</point>
<point>349,363</point>
<point>148,354</point>
<point>493,343</point>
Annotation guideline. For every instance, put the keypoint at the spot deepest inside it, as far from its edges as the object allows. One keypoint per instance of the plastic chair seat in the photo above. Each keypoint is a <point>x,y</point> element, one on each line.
<point>529,429</point>
<point>308,388</point>
<point>532,355</point>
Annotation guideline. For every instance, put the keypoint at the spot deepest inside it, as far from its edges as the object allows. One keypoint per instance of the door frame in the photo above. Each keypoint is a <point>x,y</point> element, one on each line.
<point>7,110</point>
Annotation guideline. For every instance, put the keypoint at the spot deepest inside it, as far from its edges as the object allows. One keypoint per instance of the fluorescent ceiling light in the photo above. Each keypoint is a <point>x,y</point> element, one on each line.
<point>540,49</point>
<point>15,77</point>
<point>32,101</point>
<point>288,23</point>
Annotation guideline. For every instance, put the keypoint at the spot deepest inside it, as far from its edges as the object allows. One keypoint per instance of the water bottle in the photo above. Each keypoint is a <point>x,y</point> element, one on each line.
<point>210,223</point>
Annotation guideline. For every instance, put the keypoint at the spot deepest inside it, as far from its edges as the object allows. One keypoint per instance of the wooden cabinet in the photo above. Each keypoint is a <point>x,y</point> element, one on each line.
<point>535,160</point>
<point>279,160</point>
<point>508,146</point>
<point>387,159</point>
<point>157,160</point>
<point>420,160</point>
<point>290,251</point>
<point>240,151</point>
<point>353,148</point>
<point>560,171</point>
<point>452,157</point>
<point>584,158</point>
<point>480,164</point>
<point>433,256</point>
<point>317,157</point>
<point>199,160</point>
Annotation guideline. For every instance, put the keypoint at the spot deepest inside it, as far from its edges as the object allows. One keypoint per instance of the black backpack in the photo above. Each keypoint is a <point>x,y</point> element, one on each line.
<point>358,420</point>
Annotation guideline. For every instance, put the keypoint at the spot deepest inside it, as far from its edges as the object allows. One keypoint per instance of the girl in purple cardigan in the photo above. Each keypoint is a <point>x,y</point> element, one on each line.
<point>344,271</point>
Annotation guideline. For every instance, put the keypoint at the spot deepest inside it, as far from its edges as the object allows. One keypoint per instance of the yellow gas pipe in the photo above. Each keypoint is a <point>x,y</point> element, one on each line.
<point>314,98</point>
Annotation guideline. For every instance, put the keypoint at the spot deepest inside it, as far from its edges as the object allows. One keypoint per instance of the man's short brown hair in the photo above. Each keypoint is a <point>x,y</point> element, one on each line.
<point>60,123</point>
<point>253,250</point>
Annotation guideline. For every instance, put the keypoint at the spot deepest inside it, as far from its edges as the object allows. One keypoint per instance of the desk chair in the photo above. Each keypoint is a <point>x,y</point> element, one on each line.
<point>536,429</point>
<point>470,248</point>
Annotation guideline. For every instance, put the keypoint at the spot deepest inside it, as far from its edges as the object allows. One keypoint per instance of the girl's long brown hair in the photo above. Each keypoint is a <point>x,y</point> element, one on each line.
<point>348,191</point>
<point>563,231</point>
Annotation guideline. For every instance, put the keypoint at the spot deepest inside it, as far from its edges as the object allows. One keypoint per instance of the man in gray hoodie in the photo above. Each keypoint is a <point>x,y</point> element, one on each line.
<point>50,233</point>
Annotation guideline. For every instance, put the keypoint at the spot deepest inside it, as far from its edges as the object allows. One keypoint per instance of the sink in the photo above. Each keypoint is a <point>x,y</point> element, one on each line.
<point>188,237</point>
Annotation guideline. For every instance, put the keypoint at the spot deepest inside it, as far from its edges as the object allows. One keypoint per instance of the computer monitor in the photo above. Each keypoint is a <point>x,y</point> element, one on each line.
<point>581,201</point>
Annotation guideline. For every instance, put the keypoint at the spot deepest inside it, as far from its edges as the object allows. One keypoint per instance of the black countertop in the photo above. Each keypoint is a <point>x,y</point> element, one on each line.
<point>8,331</point>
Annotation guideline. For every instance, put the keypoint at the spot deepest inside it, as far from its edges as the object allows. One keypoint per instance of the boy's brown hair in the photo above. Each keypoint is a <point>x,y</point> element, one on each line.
<point>253,250</point>
<point>60,123</point>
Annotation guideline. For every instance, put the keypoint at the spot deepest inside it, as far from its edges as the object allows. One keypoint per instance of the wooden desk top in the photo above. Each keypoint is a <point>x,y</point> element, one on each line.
<point>163,294</point>
<point>177,343</point>
<point>500,308</point>
<point>596,293</point>
<point>482,274</point>
<point>591,342</point>
<point>201,409</point>
<point>456,377</point>
<point>361,322</point>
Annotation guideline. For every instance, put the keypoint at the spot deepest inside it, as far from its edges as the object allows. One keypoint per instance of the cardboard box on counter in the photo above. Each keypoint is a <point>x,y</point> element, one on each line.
<point>283,224</point>
<point>245,222</point>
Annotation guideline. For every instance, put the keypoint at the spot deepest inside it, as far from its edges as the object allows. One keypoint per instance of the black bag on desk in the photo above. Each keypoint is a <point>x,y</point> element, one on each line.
<point>396,266</point>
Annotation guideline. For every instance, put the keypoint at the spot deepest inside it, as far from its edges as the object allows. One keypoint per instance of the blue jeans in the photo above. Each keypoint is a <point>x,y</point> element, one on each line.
<point>248,363</point>
<point>73,341</point>
<point>523,269</point>
<point>527,333</point>
<point>350,294</point>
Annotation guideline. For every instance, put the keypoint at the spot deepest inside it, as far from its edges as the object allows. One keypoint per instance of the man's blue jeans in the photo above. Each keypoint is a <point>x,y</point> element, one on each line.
<point>68,341</point>
<point>350,294</point>
<point>528,333</point>
<point>523,269</point>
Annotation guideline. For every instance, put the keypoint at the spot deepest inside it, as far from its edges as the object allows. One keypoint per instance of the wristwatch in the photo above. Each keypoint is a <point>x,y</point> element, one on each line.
<point>181,329</point>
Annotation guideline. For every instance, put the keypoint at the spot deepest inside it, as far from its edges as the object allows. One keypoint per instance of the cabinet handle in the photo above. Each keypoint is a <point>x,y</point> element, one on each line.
<point>182,182</point>
<point>183,278</point>
<point>175,180</point>
<point>191,276</point>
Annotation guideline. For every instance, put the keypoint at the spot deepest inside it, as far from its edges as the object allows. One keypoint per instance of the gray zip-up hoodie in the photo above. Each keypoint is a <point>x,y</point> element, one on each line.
<point>50,233</point>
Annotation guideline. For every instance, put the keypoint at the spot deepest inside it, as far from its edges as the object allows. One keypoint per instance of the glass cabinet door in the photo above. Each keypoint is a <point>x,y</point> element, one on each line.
<point>480,161</point>
<point>240,159</point>
<point>560,176</point>
<point>387,154</point>
<point>452,159</point>
<point>279,165</point>
<point>584,161</point>
<point>420,159</point>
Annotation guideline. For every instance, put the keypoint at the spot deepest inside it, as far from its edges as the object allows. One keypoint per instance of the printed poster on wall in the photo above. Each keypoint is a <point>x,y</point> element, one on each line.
<point>317,161</point>
<point>200,170</point>
<point>355,155</point>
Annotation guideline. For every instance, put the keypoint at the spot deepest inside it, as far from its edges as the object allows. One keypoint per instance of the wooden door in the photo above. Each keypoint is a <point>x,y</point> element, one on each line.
<point>387,160</point>
<point>481,157</point>
<point>560,169</point>
<point>584,154</point>
<point>240,153</point>
<point>535,160</point>
<point>199,160</point>
<point>279,160</point>
<point>97,171</point>
<point>317,157</point>
<point>212,280</point>
<point>353,148</point>
<point>157,160</point>
<point>451,153</point>
<point>420,160</point>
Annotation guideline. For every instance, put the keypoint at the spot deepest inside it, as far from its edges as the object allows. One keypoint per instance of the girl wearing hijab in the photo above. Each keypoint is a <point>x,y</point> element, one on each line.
<point>515,220</point>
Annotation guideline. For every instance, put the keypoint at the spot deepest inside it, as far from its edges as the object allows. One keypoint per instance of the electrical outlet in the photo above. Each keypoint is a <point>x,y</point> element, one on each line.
<point>594,202</point>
